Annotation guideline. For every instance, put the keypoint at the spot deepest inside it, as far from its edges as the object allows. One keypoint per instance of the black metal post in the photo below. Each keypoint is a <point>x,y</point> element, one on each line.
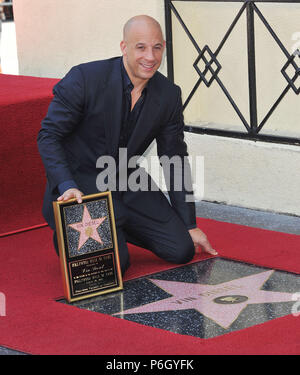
<point>251,68</point>
<point>169,42</point>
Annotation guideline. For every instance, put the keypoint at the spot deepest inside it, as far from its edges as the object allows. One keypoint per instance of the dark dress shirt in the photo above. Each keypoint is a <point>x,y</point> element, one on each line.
<point>130,117</point>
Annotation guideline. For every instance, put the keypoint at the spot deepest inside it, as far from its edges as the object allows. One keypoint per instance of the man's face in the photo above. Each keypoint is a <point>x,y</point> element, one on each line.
<point>143,51</point>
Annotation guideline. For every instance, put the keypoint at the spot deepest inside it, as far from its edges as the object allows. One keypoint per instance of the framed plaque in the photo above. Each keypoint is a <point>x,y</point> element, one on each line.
<point>88,247</point>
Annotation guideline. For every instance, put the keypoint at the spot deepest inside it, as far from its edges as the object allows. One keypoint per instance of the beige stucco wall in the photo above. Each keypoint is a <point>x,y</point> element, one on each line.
<point>243,173</point>
<point>53,35</point>
<point>249,174</point>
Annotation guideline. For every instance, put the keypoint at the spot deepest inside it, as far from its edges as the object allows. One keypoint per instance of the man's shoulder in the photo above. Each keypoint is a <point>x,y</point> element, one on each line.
<point>93,72</point>
<point>165,82</point>
<point>98,65</point>
<point>89,74</point>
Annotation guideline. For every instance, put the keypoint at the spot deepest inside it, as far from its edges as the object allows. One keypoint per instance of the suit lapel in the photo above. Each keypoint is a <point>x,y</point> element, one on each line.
<point>113,109</point>
<point>146,119</point>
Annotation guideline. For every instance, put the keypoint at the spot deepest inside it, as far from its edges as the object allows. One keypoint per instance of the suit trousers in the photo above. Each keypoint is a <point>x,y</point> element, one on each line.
<point>169,240</point>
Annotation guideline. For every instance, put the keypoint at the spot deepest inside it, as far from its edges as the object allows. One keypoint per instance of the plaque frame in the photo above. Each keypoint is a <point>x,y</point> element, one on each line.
<point>103,261</point>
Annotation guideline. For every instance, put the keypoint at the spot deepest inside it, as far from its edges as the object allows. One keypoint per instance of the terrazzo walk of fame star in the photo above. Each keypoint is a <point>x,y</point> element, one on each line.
<point>204,299</point>
<point>88,227</point>
<point>220,303</point>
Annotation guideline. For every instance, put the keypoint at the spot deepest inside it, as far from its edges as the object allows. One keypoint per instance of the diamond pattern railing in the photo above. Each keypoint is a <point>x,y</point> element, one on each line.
<point>292,80</point>
<point>212,67</point>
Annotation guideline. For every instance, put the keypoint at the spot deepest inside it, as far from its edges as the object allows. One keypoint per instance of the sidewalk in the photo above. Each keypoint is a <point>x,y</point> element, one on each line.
<point>252,218</point>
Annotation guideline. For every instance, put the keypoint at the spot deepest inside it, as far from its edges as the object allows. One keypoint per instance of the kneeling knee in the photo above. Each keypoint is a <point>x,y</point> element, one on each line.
<point>185,253</point>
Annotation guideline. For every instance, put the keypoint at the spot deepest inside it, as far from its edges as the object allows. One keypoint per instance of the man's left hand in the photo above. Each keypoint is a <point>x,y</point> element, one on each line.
<point>200,240</point>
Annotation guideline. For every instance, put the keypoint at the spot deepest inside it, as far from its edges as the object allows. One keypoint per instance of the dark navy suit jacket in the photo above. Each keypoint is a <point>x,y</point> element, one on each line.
<point>84,122</point>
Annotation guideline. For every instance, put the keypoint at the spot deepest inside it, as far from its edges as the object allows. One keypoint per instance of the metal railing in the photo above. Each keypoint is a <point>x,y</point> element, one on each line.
<point>213,66</point>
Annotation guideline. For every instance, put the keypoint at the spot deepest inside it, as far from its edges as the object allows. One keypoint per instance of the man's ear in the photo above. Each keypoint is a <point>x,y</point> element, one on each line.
<point>123,47</point>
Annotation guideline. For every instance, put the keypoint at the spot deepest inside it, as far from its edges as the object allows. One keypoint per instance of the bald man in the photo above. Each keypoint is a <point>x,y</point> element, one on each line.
<point>123,103</point>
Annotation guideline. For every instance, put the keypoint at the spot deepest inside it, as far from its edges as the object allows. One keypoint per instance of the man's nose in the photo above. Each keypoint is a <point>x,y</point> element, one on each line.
<point>149,54</point>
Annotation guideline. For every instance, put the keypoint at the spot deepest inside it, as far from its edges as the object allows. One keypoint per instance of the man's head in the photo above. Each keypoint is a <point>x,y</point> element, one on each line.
<point>142,47</point>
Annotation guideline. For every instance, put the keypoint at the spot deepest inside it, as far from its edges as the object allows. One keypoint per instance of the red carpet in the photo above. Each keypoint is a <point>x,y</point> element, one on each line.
<point>34,323</point>
<point>23,105</point>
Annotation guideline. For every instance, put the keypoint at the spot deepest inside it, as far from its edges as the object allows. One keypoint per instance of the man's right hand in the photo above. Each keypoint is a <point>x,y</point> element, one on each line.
<point>71,193</point>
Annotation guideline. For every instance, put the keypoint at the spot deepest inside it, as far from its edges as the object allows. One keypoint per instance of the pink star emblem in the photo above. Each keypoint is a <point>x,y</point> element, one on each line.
<point>222,302</point>
<point>87,228</point>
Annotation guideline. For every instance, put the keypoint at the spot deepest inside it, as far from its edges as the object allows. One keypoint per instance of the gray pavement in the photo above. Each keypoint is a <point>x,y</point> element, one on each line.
<point>253,218</point>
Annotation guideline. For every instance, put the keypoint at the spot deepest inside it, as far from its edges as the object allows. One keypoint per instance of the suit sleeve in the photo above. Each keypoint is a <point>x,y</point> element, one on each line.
<point>64,114</point>
<point>172,151</point>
